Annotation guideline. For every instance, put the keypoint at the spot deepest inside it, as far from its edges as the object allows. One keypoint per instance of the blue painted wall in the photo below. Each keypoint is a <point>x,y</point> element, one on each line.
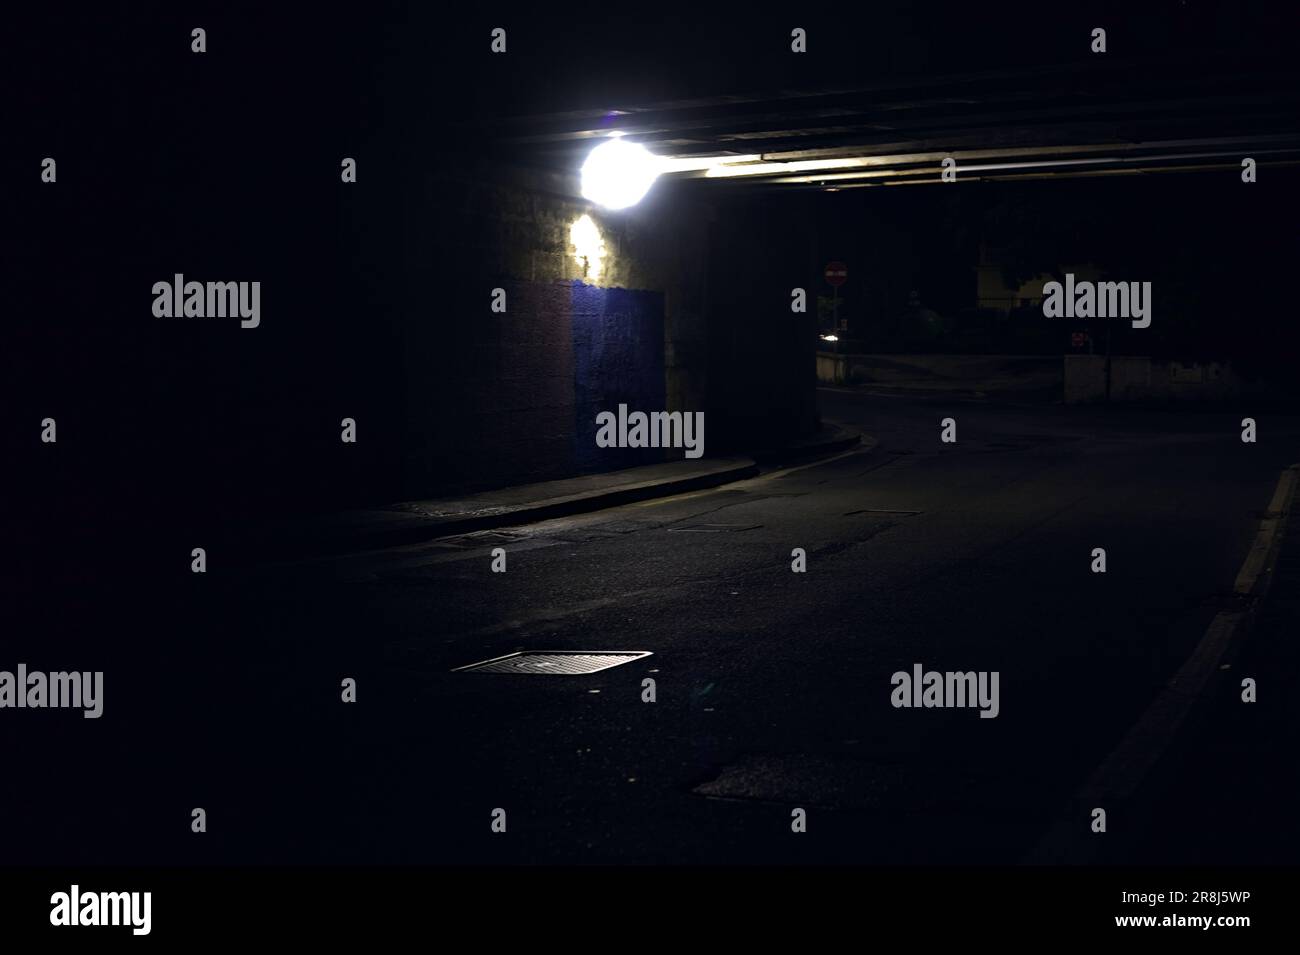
<point>618,358</point>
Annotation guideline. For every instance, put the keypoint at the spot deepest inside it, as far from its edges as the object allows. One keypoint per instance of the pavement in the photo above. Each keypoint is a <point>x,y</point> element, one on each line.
<point>1225,792</point>
<point>412,521</point>
<point>772,689</point>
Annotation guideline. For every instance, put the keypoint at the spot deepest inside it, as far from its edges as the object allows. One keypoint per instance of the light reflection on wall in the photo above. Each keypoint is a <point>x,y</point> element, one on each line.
<point>588,248</point>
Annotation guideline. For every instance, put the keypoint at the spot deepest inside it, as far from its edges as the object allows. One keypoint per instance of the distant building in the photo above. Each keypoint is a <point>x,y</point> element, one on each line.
<point>993,293</point>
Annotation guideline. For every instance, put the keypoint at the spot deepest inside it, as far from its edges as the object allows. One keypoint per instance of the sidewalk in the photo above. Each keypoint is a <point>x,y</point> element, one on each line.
<point>1227,792</point>
<point>414,521</point>
<point>1204,777</point>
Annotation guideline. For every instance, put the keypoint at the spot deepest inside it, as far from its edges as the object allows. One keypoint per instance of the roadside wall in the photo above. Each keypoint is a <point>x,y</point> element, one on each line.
<point>1134,378</point>
<point>490,399</point>
<point>941,372</point>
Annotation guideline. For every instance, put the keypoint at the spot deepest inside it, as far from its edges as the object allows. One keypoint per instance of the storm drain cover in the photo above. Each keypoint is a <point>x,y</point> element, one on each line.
<point>555,662</point>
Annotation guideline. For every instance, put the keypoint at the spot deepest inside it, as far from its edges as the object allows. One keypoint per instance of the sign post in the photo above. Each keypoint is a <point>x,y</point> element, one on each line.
<point>836,274</point>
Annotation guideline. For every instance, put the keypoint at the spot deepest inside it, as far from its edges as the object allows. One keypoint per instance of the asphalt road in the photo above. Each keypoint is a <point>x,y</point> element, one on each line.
<point>773,688</point>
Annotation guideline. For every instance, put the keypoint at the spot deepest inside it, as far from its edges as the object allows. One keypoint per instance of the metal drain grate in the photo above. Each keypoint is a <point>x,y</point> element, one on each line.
<point>555,662</point>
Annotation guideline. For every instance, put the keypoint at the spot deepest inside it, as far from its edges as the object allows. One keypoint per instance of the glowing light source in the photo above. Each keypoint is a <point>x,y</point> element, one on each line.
<point>668,164</point>
<point>829,338</point>
<point>804,165</point>
<point>588,247</point>
<point>618,174</point>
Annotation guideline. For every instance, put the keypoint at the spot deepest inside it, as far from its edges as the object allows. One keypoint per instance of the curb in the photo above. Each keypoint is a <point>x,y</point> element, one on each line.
<point>417,530</point>
<point>1180,703</point>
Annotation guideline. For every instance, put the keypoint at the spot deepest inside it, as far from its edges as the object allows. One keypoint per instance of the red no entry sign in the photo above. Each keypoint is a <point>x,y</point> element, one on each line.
<point>837,273</point>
